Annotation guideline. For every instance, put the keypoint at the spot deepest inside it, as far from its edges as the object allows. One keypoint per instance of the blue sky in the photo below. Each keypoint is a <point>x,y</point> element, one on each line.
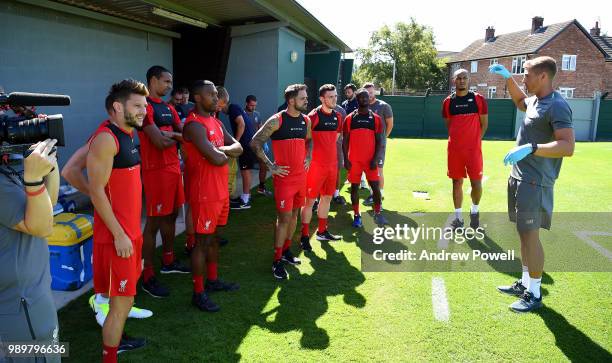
<point>455,23</point>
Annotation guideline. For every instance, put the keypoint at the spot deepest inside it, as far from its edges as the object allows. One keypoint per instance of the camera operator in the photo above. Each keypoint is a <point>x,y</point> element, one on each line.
<point>27,309</point>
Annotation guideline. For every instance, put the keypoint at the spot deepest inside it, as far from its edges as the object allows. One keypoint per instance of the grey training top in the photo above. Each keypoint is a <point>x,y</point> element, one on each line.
<point>542,117</point>
<point>382,109</point>
<point>24,259</point>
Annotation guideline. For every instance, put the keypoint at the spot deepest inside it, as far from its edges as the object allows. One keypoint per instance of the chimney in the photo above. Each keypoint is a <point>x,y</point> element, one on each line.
<point>536,23</point>
<point>596,31</point>
<point>490,34</point>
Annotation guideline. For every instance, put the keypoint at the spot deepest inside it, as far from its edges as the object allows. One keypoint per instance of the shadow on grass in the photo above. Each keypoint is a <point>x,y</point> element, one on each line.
<point>179,332</point>
<point>576,346</point>
<point>511,268</point>
<point>303,298</point>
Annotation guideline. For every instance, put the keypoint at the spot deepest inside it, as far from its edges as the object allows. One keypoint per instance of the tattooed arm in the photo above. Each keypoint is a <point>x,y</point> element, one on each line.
<point>260,138</point>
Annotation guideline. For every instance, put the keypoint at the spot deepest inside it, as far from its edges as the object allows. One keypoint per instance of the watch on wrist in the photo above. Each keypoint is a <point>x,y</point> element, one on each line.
<point>33,184</point>
<point>534,147</point>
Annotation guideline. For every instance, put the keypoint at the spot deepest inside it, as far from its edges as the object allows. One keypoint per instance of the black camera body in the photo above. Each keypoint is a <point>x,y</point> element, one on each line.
<point>18,133</point>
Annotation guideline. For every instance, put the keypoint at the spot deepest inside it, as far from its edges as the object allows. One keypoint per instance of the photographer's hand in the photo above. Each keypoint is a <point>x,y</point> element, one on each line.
<point>39,163</point>
<point>38,218</point>
<point>52,181</point>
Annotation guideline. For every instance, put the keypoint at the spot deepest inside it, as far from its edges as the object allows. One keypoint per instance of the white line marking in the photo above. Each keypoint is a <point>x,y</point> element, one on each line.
<point>439,302</point>
<point>585,236</point>
<point>484,180</point>
<point>443,242</point>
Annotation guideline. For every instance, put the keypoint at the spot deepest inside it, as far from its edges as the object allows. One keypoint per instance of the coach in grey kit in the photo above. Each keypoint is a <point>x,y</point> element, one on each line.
<point>27,310</point>
<point>544,138</point>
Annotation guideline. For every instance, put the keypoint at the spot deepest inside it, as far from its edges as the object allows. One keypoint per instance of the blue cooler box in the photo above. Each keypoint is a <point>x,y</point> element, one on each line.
<point>70,251</point>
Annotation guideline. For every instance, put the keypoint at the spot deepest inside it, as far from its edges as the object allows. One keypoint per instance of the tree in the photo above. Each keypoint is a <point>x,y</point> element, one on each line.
<point>412,47</point>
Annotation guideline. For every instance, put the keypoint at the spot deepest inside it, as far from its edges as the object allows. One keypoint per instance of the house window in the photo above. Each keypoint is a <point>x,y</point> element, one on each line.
<point>491,92</point>
<point>568,62</point>
<point>473,89</point>
<point>566,92</point>
<point>474,67</point>
<point>493,61</point>
<point>518,64</point>
<point>455,67</point>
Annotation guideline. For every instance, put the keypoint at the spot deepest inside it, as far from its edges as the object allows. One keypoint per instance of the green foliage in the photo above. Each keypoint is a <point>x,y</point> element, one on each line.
<point>412,47</point>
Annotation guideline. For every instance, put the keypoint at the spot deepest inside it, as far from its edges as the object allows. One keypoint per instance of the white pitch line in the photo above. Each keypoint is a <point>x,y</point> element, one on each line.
<point>443,242</point>
<point>439,302</point>
<point>484,180</point>
<point>585,236</point>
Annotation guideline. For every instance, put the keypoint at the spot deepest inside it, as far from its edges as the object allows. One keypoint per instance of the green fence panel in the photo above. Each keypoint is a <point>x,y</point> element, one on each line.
<point>604,124</point>
<point>407,115</point>
<point>418,116</point>
<point>433,123</point>
<point>502,115</point>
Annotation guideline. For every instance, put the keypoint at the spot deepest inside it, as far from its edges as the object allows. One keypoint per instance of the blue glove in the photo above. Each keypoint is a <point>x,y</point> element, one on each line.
<point>517,154</point>
<point>501,70</point>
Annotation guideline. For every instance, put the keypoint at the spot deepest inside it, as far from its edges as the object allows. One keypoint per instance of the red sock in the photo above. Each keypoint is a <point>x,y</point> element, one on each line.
<point>322,225</point>
<point>190,243</point>
<point>356,209</point>
<point>109,354</point>
<point>376,208</point>
<point>211,270</point>
<point>305,231</point>
<point>198,283</point>
<point>147,273</point>
<point>287,244</point>
<point>278,252</point>
<point>168,258</point>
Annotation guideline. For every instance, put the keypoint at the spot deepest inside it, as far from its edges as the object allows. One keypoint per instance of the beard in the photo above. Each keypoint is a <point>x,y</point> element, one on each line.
<point>302,108</point>
<point>132,120</point>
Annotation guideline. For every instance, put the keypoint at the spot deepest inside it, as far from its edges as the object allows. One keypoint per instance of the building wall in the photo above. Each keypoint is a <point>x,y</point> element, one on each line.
<point>288,72</point>
<point>590,66</point>
<point>321,68</point>
<point>54,52</point>
<point>590,62</point>
<point>252,69</point>
<point>482,79</point>
<point>608,77</point>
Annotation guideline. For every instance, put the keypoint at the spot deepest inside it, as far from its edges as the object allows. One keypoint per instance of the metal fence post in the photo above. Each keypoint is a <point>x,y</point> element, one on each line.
<point>595,114</point>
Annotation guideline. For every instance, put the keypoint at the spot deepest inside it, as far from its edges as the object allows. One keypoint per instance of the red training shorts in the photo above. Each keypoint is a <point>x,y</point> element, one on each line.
<point>164,191</point>
<point>114,275</point>
<point>207,216</point>
<point>321,179</point>
<point>357,168</point>
<point>288,194</point>
<point>463,163</point>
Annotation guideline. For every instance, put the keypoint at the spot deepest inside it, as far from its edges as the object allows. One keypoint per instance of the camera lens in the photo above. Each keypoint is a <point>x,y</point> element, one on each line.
<point>35,130</point>
<point>27,131</point>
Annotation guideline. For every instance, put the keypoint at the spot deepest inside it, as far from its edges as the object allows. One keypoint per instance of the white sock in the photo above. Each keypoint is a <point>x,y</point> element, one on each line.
<point>336,193</point>
<point>101,299</point>
<point>245,197</point>
<point>474,209</point>
<point>458,214</point>
<point>525,276</point>
<point>381,191</point>
<point>534,287</point>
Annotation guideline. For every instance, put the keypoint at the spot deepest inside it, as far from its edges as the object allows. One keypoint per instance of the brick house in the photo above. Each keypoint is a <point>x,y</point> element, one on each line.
<point>581,60</point>
<point>604,42</point>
